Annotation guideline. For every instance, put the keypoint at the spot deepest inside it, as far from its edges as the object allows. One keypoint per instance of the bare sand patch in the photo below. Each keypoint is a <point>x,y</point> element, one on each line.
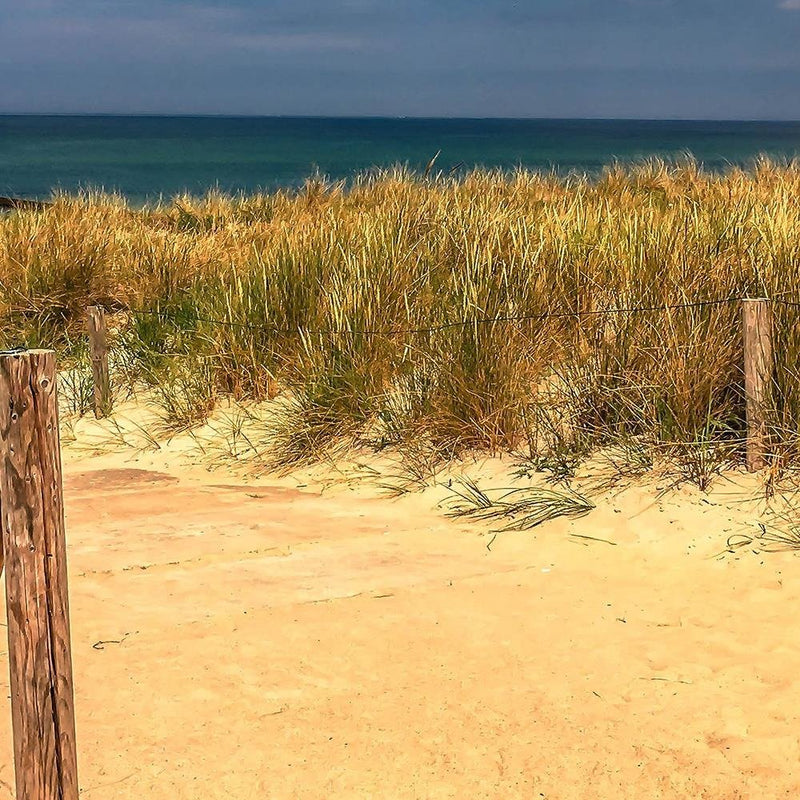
<point>272,639</point>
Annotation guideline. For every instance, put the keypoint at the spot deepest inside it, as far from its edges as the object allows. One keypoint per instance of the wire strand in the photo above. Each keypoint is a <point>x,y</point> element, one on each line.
<point>445,325</point>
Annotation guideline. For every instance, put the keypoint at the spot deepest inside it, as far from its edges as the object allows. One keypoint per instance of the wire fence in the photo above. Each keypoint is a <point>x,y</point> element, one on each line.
<point>449,325</point>
<point>755,364</point>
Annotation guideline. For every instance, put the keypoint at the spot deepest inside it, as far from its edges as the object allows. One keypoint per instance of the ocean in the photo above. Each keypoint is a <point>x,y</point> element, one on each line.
<point>148,157</point>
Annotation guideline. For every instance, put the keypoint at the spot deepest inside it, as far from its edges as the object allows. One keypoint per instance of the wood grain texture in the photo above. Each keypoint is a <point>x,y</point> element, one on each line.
<point>32,525</point>
<point>98,350</point>
<point>758,372</point>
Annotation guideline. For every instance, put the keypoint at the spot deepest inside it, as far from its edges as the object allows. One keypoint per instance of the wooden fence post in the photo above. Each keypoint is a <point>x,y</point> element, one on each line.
<point>34,547</point>
<point>98,347</point>
<point>758,369</point>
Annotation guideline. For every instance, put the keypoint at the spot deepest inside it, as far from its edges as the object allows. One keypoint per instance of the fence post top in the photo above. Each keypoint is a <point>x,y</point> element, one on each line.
<point>24,351</point>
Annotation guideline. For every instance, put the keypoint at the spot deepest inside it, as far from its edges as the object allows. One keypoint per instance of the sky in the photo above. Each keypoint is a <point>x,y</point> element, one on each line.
<point>685,59</point>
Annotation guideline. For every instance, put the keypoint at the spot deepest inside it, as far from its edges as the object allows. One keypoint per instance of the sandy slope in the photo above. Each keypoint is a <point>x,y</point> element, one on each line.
<point>260,640</point>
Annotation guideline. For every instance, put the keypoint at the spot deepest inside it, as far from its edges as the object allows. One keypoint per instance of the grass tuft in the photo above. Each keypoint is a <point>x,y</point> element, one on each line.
<point>520,509</point>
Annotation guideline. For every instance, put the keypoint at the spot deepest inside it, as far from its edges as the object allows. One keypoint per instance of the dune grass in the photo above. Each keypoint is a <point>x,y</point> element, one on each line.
<point>515,509</point>
<point>338,300</point>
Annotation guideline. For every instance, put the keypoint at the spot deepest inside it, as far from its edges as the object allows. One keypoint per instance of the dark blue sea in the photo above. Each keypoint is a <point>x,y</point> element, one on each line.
<point>148,157</point>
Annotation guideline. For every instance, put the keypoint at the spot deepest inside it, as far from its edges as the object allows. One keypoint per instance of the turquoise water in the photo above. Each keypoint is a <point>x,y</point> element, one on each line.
<point>144,157</point>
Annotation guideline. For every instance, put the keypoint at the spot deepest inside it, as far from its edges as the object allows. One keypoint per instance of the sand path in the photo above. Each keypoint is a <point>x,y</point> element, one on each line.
<point>264,641</point>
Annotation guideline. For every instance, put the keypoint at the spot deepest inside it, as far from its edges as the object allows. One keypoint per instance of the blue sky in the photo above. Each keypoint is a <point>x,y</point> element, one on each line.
<point>704,59</point>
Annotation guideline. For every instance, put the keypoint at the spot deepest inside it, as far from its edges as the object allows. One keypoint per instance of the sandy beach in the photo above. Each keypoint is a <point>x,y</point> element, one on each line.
<point>300,638</point>
<point>426,380</point>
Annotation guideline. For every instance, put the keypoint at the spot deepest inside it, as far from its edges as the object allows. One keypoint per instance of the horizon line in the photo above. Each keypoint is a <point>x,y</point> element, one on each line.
<point>398,117</point>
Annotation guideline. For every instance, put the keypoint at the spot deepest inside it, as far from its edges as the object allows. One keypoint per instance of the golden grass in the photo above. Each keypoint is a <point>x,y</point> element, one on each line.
<point>321,287</point>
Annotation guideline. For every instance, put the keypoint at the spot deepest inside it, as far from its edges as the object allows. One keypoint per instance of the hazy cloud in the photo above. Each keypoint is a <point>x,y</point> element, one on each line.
<point>685,58</point>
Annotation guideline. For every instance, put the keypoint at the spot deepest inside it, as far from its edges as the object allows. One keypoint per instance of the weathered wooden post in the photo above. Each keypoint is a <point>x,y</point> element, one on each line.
<point>34,547</point>
<point>98,349</point>
<point>758,368</point>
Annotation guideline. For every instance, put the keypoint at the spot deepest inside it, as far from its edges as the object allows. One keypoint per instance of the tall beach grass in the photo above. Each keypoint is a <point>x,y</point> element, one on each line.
<point>337,301</point>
